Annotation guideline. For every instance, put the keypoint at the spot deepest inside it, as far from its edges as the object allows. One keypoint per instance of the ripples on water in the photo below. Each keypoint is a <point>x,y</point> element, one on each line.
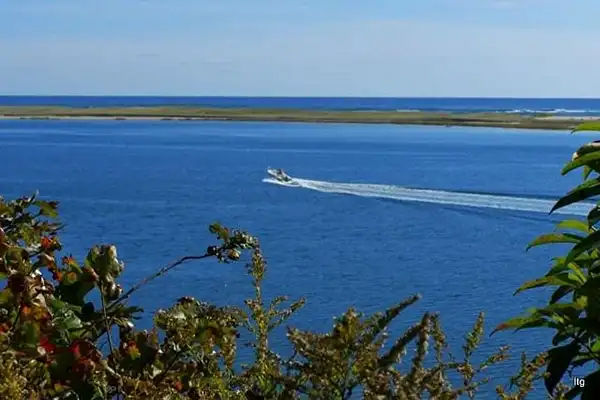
<point>152,188</point>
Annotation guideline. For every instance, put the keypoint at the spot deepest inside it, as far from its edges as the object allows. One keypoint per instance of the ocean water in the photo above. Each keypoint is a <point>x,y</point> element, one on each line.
<point>354,233</point>
<point>570,107</point>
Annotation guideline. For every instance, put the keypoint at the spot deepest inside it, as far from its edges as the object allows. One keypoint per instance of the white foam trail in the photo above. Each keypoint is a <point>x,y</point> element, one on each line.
<point>437,196</point>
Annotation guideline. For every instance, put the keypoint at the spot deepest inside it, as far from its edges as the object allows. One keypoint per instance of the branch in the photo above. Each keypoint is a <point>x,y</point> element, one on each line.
<point>164,373</point>
<point>588,348</point>
<point>106,323</point>
<point>158,273</point>
<point>13,328</point>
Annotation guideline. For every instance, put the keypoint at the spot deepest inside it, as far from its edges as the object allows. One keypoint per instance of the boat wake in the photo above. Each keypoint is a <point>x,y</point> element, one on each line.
<point>443,197</point>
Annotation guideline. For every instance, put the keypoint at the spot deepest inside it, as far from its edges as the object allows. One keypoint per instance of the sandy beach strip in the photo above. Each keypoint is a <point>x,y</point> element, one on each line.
<point>408,117</point>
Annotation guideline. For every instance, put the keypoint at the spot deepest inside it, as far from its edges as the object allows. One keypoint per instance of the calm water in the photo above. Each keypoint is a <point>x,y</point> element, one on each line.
<point>153,187</point>
<point>507,105</point>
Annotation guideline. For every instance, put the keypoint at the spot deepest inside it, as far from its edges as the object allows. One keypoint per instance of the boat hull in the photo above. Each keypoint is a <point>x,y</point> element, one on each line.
<point>279,175</point>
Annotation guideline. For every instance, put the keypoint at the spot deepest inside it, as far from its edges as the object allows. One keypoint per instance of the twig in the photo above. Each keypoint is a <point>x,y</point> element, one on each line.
<point>110,343</point>
<point>164,374</point>
<point>588,348</point>
<point>158,273</point>
<point>126,295</point>
<point>13,328</point>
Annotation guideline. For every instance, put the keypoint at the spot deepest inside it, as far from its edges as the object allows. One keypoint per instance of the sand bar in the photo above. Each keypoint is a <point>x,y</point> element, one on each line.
<point>181,113</point>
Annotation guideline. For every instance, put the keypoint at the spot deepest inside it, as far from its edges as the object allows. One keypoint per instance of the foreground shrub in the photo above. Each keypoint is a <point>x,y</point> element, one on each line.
<point>573,309</point>
<point>51,333</point>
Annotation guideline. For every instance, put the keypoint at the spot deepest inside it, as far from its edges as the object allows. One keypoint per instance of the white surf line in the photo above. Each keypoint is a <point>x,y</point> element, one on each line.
<point>439,196</point>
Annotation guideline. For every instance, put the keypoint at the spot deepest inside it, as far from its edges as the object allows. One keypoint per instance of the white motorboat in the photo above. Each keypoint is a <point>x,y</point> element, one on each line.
<point>280,175</point>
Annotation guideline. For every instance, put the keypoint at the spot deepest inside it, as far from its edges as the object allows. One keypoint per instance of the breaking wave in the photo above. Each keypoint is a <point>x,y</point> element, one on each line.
<point>462,199</point>
<point>558,111</point>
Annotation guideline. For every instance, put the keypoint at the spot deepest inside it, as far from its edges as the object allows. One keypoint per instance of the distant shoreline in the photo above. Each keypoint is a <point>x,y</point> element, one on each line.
<point>187,113</point>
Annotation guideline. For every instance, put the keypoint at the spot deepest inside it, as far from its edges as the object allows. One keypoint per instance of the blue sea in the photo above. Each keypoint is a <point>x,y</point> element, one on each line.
<point>381,212</point>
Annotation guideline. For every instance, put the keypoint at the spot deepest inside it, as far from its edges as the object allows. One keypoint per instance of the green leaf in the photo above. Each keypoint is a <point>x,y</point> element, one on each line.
<point>560,293</point>
<point>595,266</point>
<point>555,238</point>
<point>92,257</point>
<point>557,313</point>
<point>536,323</point>
<point>596,346</point>
<point>47,209</point>
<point>582,301</point>
<point>31,334</point>
<point>577,274</point>
<point>591,287</point>
<point>575,225</point>
<point>584,191</point>
<point>220,231</point>
<point>567,309</point>
<point>6,297</point>
<point>560,359</point>
<point>515,323</point>
<point>587,127</point>
<point>560,337</point>
<point>592,387</point>
<point>591,242</point>
<point>573,392</point>
<point>560,264</point>
<point>551,280</point>
<point>75,292</point>
<point>379,322</point>
<point>585,159</point>
<point>593,216</point>
<point>66,319</point>
<point>590,324</point>
<point>581,360</point>
<point>586,172</point>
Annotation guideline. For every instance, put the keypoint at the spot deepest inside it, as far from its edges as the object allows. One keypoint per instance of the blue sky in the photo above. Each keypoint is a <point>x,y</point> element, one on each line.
<point>513,48</point>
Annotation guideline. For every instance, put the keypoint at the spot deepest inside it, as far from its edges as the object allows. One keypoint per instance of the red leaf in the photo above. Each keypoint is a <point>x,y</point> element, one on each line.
<point>25,311</point>
<point>75,349</point>
<point>46,243</point>
<point>46,345</point>
<point>4,328</point>
<point>56,275</point>
<point>68,260</point>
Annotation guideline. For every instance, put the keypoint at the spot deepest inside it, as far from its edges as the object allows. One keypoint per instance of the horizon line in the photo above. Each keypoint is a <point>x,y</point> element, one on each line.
<point>303,97</point>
